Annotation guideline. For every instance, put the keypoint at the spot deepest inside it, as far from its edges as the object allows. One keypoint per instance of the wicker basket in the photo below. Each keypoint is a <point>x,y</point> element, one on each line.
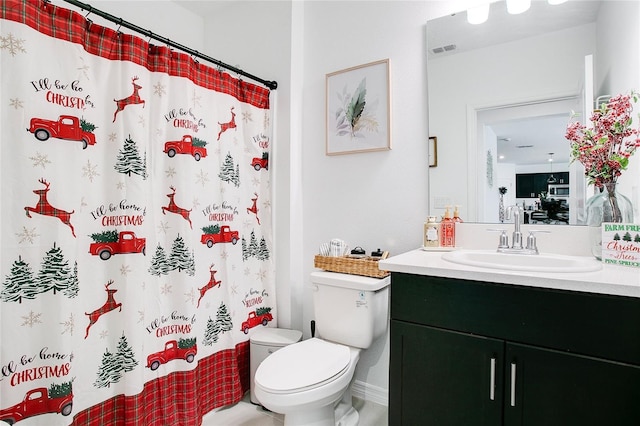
<point>367,267</point>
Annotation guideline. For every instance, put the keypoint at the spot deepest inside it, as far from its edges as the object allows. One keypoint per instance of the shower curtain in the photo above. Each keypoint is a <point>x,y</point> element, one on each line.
<point>136,253</point>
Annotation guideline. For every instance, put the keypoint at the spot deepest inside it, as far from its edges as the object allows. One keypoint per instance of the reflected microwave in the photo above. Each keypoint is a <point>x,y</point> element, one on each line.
<point>558,190</point>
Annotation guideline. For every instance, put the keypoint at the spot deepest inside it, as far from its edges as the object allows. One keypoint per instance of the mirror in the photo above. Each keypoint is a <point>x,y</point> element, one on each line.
<point>506,88</point>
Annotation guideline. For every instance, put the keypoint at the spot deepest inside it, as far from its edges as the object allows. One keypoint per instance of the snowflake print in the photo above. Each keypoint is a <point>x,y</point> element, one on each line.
<point>141,121</point>
<point>262,275</point>
<point>247,223</point>
<point>68,325</point>
<point>27,235</point>
<point>165,289</point>
<point>12,44</point>
<point>247,271</point>
<point>191,297</point>
<point>140,316</point>
<point>112,136</point>
<point>83,202</point>
<point>164,227</point>
<point>234,289</point>
<point>83,70</point>
<point>196,99</point>
<point>196,203</point>
<point>32,319</point>
<point>104,334</point>
<point>255,181</point>
<point>159,89</point>
<point>202,177</point>
<point>267,204</point>
<point>224,255</point>
<point>89,171</point>
<point>40,160</point>
<point>246,116</point>
<point>120,185</point>
<point>124,270</point>
<point>170,172</point>
<point>15,103</point>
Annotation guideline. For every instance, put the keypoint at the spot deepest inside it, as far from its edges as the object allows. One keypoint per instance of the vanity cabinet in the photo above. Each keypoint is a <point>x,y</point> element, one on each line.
<point>476,353</point>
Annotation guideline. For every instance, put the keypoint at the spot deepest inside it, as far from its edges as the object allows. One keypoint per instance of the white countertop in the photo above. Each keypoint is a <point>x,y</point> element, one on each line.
<point>611,279</point>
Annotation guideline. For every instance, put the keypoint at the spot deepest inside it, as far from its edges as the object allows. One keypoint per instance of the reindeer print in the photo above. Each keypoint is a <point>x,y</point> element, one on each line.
<point>228,125</point>
<point>108,306</point>
<point>173,207</point>
<point>132,99</point>
<point>208,286</point>
<point>44,208</point>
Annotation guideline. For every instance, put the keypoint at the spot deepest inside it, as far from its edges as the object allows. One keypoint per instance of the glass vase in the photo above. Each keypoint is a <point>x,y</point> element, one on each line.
<point>607,206</point>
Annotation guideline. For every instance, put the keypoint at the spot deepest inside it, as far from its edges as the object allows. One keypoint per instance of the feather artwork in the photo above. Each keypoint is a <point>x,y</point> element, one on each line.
<point>356,106</point>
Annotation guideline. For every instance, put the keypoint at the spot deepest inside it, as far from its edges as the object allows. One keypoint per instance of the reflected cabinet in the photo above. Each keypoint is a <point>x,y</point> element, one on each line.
<point>476,353</point>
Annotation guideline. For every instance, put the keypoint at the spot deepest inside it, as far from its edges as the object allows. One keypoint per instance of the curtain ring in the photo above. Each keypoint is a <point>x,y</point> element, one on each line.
<point>89,12</point>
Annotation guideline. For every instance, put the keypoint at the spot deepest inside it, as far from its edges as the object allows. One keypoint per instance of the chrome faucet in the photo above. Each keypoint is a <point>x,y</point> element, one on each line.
<point>516,237</point>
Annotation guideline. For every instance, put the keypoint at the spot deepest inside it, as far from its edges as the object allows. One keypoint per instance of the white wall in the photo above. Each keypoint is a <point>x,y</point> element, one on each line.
<point>379,199</point>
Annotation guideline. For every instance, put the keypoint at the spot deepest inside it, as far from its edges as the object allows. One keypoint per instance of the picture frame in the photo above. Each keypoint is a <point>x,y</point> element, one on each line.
<point>358,113</point>
<point>433,151</point>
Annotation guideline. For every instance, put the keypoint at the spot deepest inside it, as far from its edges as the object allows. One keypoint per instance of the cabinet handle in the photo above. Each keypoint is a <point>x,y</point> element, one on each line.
<point>513,384</point>
<point>492,381</point>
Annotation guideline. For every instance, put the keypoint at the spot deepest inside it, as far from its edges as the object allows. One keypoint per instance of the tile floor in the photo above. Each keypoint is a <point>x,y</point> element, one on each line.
<point>244,413</point>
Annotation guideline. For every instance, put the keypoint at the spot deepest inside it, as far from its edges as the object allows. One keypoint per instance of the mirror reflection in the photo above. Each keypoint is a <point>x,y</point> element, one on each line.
<point>500,97</point>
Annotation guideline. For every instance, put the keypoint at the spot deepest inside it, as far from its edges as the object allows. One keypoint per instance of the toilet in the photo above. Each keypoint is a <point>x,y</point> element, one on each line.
<point>310,382</point>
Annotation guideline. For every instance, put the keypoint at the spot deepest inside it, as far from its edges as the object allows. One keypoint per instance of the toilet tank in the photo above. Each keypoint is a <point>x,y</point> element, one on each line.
<point>350,309</point>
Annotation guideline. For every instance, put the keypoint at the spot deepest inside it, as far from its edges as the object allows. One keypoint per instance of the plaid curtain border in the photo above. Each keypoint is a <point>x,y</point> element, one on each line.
<point>65,24</point>
<point>180,398</point>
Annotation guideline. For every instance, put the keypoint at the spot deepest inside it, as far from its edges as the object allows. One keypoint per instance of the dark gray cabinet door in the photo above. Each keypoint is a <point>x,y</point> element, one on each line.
<point>552,388</point>
<point>439,377</point>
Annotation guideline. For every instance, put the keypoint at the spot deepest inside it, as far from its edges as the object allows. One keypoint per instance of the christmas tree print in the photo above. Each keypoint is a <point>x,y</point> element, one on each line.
<point>109,371</point>
<point>255,249</point>
<point>55,273</point>
<point>636,239</point>
<point>63,389</point>
<point>627,237</point>
<point>19,283</point>
<point>86,126</point>
<point>230,172</point>
<point>180,258</point>
<point>159,265</point>
<point>114,365</point>
<point>129,161</point>
<point>220,325</point>
<point>125,355</point>
<point>72,289</point>
<point>108,236</point>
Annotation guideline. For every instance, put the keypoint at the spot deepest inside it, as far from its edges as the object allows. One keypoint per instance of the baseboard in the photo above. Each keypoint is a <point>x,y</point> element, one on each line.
<point>367,392</point>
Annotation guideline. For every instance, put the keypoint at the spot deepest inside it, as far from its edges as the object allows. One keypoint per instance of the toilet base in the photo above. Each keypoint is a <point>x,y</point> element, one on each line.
<point>323,416</point>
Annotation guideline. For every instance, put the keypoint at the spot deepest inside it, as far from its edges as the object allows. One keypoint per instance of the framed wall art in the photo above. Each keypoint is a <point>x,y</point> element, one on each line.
<point>358,117</point>
<point>433,151</point>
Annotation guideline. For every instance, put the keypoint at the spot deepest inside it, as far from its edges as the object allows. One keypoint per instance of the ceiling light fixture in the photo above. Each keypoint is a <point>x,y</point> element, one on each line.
<point>551,178</point>
<point>478,14</point>
<point>555,2</point>
<point>515,7</point>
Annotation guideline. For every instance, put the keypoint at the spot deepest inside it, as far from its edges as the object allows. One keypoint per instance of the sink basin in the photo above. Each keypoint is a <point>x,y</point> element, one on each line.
<point>523,262</point>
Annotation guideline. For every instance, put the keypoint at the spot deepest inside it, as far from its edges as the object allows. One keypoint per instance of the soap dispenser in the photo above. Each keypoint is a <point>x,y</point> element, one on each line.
<point>456,215</point>
<point>447,230</point>
<point>430,233</point>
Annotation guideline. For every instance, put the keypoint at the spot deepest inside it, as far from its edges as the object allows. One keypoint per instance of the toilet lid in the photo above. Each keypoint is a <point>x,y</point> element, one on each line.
<point>302,365</point>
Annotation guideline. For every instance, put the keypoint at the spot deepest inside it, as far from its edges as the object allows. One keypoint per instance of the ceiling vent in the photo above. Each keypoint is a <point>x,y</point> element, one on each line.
<point>524,146</point>
<point>447,48</point>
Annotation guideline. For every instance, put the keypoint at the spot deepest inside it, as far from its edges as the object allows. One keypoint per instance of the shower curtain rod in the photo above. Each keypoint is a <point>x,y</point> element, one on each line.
<point>270,84</point>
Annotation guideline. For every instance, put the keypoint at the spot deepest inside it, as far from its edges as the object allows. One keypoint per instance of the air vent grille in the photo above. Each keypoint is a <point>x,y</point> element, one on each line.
<point>447,48</point>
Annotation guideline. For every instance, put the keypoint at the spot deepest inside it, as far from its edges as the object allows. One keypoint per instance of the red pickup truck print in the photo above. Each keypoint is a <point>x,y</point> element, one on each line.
<point>67,127</point>
<point>109,243</point>
<point>37,401</point>
<point>184,349</point>
<point>257,317</point>
<point>214,234</point>
<point>188,145</point>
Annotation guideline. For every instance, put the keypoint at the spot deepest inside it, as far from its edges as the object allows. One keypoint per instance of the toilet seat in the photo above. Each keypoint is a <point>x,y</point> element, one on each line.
<point>302,366</point>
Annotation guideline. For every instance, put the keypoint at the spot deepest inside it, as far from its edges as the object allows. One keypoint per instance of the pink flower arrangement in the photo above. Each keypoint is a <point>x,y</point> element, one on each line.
<point>605,150</point>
